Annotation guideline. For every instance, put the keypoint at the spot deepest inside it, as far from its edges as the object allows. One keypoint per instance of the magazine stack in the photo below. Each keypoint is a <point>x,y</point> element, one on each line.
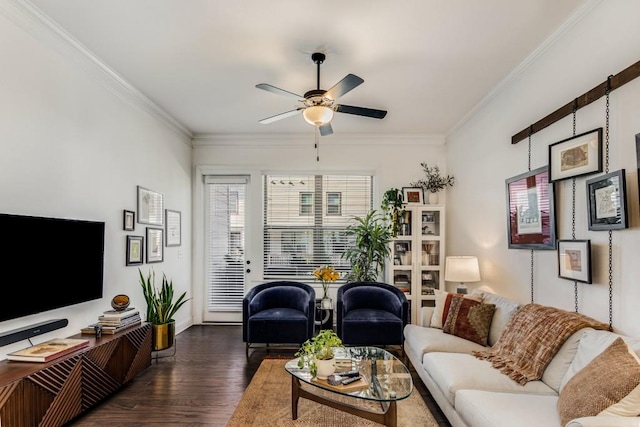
<point>112,321</point>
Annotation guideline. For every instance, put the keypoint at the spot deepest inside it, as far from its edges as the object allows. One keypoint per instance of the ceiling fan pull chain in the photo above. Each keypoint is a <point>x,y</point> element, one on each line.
<point>317,135</point>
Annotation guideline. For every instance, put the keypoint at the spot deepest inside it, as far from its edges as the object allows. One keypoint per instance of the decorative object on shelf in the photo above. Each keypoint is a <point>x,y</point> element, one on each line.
<point>326,274</point>
<point>161,307</point>
<point>607,201</point>
<point>150,207</point>
<point>174,227</point>
<point>576,156</point>
<point>317,353</point>
<point>462,269</point>
<point>392,205</point>
<point>120,302</point>
<point>370,251</point>
<point>155,242</point>
<point>413,195</point>
<point>128,220</point>
<point>134,250</point>
<point>574,260</point>
<point>433,182</point>
<point>531,217</point>
<point>48,350</point>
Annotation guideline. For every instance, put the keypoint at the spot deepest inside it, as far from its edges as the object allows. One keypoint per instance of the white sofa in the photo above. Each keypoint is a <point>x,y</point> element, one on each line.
<point>471,393</point>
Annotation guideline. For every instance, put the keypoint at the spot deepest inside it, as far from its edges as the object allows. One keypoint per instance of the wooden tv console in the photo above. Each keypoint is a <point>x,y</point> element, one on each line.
<point>53,393</point>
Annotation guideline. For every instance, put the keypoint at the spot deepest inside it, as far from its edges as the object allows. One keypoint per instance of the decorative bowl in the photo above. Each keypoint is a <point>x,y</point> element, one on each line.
<point>120,302</point>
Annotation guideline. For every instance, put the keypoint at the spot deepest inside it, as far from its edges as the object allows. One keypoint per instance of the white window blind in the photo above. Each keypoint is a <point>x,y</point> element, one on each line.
<point>297,241</point>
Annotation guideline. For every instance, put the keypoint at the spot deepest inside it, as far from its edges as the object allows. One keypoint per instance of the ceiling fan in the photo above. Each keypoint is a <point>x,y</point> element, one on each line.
<point>319,105</point>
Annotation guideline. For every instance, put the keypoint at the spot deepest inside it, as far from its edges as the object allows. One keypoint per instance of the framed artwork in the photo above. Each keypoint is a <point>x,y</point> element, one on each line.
<point>128,220</point>
<point>413,195</point>
<point>174,231</point>
<point>150,207</point>
<point>531,218</point>
<point>134,250</point>
<point>574,260</point>
<point>576,156</point>
<point>606,198</point>
<point>155,243</point>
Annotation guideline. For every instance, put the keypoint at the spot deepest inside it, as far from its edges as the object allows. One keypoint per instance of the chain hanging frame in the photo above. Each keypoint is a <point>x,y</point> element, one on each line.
<point>532,258</point>
<point>606,170</point>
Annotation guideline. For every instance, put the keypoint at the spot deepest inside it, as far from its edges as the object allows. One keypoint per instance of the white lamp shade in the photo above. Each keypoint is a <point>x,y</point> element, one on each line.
<point>463,269</point>
<point>318,115</point>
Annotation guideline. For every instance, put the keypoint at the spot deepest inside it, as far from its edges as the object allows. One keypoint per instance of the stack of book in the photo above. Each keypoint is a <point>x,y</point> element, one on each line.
<point>113,321</point>
<point>48,350</point>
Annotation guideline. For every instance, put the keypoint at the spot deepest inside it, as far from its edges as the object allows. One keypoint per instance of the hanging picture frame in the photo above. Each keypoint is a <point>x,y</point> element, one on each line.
<point>128,220</point>
<point>134,250</point>
<point>413,195</point>
<point>576,156</point>
<point>155,245</point>
<point>531,222</point>
<point>150,207</point>
<point>174,227</point>
<point>574,260</point>
<point>606,201</point>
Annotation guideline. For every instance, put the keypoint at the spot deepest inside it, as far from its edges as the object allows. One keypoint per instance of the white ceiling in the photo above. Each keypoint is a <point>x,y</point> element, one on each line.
<point>427,62</point>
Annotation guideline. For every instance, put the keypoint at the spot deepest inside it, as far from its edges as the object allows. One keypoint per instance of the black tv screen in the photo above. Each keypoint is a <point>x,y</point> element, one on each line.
<point>49,263</point>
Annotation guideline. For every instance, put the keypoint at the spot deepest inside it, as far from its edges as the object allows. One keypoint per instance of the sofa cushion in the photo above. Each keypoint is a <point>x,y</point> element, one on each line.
<point>559,365</point>
<point>505,308</point>
<point>456,371</point>
<point>431,339</point>
<point>480,408</point>
<point>469,319</point>
<point>442,303</point>
<point>608,385</point>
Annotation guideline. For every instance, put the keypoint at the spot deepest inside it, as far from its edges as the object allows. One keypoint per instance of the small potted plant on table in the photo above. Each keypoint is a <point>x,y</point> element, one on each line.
<point>317,353</point>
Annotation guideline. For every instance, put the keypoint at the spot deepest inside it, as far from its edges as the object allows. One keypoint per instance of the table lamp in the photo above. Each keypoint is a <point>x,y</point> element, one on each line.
<point>463,269</point>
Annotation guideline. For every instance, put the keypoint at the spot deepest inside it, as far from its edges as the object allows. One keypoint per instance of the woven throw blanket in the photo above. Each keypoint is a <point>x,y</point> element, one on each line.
<point>531,338</point>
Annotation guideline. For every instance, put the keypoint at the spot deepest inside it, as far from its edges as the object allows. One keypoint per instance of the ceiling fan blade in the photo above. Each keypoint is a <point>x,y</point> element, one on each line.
<point>281,116</point>
<point>361,111</point>
<point>326,129</point>
<point>351,81</point>
<point>273,89</point>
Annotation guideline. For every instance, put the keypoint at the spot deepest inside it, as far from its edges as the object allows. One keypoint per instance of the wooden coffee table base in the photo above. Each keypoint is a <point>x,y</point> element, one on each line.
<point>388,416</point>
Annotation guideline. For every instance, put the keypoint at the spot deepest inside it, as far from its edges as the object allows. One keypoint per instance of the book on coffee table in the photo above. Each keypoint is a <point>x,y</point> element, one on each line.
<point>48,350</point>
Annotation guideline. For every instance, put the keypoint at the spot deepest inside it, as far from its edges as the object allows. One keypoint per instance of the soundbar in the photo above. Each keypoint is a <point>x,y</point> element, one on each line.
<point>34,330</point>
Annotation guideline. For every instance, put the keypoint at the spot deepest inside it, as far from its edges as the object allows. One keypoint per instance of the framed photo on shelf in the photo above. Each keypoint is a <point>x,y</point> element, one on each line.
<point>155,245</point>
<point>413,195</point>
<point>150,207</point>
<point>574,260</point>
<point>134,250</point>
<point>174,230</point>
<point>128,220</point>
<point>576,156</point>
<point>531,222</point>
<point>606,201</point>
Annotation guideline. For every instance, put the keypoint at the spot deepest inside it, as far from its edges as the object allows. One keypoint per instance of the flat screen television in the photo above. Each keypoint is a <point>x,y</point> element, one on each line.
<point>48,263</point>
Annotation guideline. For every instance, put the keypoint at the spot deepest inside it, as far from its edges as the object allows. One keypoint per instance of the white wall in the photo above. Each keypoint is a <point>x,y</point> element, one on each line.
<point>71,148</point>
<point>481,156</point>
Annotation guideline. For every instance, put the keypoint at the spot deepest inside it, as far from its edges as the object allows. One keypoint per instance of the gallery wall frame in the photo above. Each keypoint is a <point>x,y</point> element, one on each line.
<point>135,250</point>
<point>128,220</point>
<point>150,207</point>
<point>607,201</point>
<point>173,220</point>
<point>155,245</point>
<point>531,217</point>
<point>413,195</point>
<point>576,156</point>
<point>574,260</point>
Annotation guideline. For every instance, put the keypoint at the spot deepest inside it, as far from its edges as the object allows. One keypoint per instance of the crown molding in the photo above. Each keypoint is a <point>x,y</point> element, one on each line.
<point>549,42</point>
<point>294,139</point>
<point>31,19</point>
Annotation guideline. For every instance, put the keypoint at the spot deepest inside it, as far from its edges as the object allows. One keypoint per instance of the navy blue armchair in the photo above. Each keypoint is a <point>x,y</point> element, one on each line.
<point>280,312</point>
<point>371,313</point>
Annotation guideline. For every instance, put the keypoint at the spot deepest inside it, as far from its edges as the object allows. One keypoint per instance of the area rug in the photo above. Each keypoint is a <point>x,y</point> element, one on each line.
<point>267,402</point>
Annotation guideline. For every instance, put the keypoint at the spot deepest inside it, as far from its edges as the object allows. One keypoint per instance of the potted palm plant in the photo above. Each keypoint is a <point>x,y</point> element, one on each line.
<point>317,353</point>
<point>370,250</point>
<point>161,307</point>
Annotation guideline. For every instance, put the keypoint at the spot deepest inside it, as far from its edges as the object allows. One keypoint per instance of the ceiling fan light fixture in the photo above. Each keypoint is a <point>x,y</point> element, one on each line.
<point>318,115</point>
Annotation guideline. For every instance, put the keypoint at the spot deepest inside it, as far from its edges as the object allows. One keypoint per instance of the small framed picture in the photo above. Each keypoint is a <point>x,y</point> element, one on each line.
<point>574,260</point>
<point>128,220</point>
<point>174,230</point>
<point>155,245</point>
<point>134,250</point>
<point>150,207</point>
<point>576,156</point>
<point>413,195</point>
<point>607,204</point>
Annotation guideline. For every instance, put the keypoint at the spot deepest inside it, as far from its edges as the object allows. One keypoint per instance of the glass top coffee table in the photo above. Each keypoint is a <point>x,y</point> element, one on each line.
<point>384,381</point>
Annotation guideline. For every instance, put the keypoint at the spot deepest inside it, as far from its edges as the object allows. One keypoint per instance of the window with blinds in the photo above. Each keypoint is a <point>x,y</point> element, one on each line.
<point>305,217</point>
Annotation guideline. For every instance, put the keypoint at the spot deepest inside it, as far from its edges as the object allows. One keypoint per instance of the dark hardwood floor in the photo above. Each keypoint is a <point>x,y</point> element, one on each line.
<point>198,386</point>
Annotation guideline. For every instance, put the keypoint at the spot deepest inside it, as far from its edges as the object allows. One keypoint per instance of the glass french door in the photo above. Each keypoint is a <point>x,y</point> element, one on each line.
<point>225,207</point>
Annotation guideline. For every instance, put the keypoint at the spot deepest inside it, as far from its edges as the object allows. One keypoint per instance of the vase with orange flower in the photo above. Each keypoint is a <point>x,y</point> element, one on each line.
<point>326,274</point>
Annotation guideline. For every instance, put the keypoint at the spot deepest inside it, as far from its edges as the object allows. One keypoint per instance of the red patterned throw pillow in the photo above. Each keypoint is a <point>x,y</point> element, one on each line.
<point>469,319</point>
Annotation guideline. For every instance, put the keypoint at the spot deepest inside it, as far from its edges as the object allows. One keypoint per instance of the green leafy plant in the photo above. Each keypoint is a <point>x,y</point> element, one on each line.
<point>370,250</point>
<point>433,181</point>
<point>161,306</point>
<point>319,347</point>
<point>393,207</point>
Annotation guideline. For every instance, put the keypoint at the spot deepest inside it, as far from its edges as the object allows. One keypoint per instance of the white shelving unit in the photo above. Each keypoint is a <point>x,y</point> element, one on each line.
<point>417,256</point>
